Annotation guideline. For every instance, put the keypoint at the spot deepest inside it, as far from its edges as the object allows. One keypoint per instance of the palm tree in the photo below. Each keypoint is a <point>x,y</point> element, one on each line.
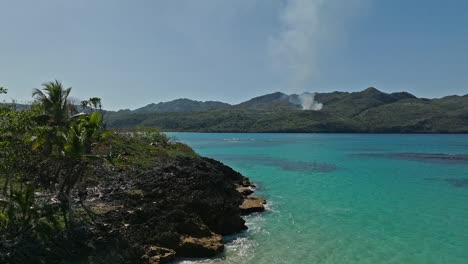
<point>68,140</point>
<point>83,132</point>
<point>95,102</point>
<point>53,101</point>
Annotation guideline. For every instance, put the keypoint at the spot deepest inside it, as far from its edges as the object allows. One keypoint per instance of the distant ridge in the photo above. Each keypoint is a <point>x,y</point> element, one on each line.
<point>277,99</point>
<point>367,111</point>
<point>181,105</point>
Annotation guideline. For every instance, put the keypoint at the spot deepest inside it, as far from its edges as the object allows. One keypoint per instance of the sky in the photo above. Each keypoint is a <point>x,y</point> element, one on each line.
<point>135,52</point>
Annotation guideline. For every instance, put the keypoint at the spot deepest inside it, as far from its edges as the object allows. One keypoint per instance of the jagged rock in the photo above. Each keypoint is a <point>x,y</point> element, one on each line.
<point>200,247</point>
<point>246,183</point>
<point>186,204</point>
<point>179,208</point>
<point>245,191</point>
<point>158,255</point>
<point>252,205</point>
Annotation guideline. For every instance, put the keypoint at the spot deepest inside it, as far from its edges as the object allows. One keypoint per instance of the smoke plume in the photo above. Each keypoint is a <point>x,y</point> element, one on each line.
<point>294,50</point>
<point>308,28</point>
<point>308,102</point>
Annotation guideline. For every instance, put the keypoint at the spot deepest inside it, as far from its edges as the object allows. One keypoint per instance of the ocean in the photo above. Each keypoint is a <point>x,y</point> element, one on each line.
<point>347,198</point>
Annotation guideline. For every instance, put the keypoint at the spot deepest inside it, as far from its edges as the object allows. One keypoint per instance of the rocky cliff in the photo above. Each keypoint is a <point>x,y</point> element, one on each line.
<point>181,208</point>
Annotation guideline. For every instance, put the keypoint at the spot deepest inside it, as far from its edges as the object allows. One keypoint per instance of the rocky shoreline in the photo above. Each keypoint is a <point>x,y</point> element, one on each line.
<point>181,209</point>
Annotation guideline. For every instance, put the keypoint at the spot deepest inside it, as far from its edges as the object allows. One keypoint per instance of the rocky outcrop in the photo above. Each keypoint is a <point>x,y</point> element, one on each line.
<point>252,205</point>
<point>158,255</point>
<point>180,209</point>
<point>200,247</point>
<point>245,191</point>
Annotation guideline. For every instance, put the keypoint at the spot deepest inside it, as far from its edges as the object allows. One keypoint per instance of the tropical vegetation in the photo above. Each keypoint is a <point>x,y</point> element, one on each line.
<point>50,155</point>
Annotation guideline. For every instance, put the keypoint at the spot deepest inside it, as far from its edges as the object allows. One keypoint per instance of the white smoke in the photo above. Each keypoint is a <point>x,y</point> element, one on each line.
<point>308,102</point>
<point>294,50</point>
<point>309,27</point>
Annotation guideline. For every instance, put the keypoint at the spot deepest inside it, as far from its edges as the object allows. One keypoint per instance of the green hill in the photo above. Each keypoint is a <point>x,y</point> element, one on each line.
<point>182,105</point>
<point>367,111</point>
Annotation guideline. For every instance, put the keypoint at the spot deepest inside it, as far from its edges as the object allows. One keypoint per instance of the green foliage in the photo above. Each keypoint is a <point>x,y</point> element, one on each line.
<point>53,101</point>
<point>48,152</point>
<point>93,104</point>
<point>4,221</point>
<point>24,202</point>
<point>16,130</point>
<point>140,149</point>
<point>3,107</point>
<point>50,141</point>
<point>22,215</point>
<point>16,199</point>
<point>181,105</point>
<point>135,192</point>
<point>81,135</point>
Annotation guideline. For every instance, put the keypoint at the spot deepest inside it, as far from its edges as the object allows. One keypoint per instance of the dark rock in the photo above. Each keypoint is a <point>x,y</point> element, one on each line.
<point>181,208</point>
<point>245,191</point>
<point>186,205</point>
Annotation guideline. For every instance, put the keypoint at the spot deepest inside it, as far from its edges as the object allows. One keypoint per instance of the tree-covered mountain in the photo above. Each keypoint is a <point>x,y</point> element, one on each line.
<point>366,111</point>
<point>268,101</point>
<point>182,105</point>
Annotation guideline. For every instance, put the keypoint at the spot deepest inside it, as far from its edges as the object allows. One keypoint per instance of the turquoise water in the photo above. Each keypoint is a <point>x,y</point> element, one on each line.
<point>339,198</point>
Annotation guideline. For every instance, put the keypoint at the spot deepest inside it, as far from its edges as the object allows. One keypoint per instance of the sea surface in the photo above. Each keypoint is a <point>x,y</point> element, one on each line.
<point>348,198</point>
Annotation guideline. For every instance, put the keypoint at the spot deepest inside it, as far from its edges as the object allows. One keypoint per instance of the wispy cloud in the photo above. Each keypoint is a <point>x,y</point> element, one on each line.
<point>307,26</point>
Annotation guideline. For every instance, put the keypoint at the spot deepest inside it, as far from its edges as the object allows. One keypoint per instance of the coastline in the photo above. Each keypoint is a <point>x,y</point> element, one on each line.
<point>155,203</point>
<point>319,132</point>
<point>179,210</point>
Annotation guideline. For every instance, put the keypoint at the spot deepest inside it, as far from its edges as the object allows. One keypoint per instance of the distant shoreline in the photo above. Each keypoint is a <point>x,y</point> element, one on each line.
<point>325,133</point>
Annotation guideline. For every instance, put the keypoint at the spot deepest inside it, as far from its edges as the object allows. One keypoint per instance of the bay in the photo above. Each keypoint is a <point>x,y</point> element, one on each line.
<point>347,198</point>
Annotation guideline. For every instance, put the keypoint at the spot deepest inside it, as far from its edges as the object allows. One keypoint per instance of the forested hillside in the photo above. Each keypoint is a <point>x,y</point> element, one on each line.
<point>367,111</point>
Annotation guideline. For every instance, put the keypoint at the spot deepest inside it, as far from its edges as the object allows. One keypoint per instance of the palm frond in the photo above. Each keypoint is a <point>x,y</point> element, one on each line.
<point>53,99</point>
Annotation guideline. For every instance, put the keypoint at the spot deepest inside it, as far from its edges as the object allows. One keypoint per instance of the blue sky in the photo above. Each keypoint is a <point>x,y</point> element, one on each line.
<point>132,53</point>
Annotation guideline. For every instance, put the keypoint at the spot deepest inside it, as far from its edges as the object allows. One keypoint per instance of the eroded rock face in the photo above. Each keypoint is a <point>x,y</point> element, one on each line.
<point>179,209</point>
<point>200,246</point>
<point>245,191</point>
<point>158,255</point>
<point>252,205</point>
<point>185,206</point>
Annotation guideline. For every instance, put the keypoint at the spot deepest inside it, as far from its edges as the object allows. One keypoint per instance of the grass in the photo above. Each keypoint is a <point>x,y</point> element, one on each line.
<point>135,192</point>
<point>142,151</point>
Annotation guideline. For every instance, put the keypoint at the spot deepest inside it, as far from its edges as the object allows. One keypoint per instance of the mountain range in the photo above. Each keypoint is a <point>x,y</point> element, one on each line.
<point>367,111</point>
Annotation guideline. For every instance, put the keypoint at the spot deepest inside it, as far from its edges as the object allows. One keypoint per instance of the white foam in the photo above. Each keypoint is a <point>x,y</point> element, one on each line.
<point>238,139</point>
<point>240,250</point>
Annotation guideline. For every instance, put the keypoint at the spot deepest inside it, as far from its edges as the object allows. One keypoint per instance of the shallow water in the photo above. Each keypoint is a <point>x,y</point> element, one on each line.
<point>339,198</point>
